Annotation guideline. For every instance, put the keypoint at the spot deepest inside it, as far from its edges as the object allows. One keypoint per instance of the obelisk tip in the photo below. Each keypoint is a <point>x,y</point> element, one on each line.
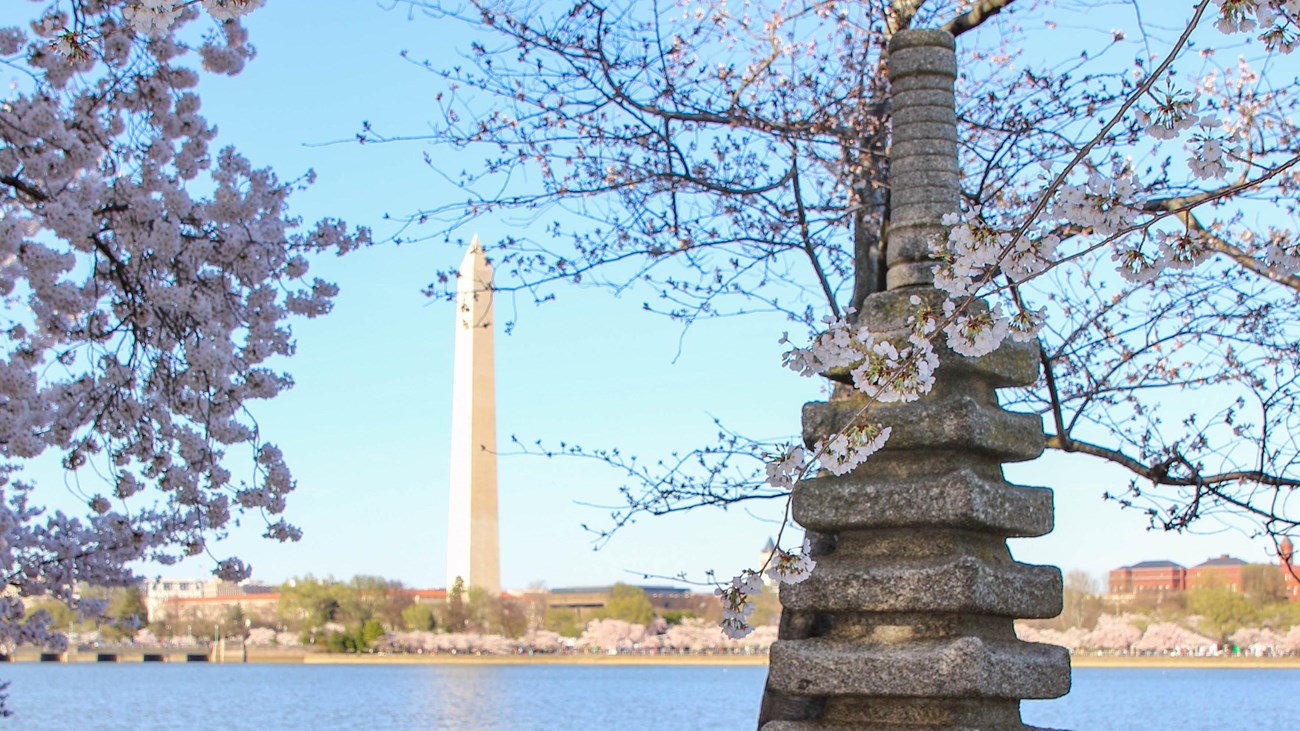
<point>475,256</point>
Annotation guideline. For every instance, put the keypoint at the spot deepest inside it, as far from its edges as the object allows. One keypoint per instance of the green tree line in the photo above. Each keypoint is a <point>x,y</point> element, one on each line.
<point>1221,611</point>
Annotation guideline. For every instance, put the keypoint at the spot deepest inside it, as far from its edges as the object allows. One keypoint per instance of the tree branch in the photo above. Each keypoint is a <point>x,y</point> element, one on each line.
<point>898,16</point>
<point>23,187</point>
<point>807,239</point>
<point>1182,208</point>
<point>1158,474</point>
<point>975,17</point>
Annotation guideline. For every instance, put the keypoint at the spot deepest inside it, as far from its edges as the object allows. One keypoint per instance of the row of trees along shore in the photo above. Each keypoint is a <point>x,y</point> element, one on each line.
<point>370,613</point>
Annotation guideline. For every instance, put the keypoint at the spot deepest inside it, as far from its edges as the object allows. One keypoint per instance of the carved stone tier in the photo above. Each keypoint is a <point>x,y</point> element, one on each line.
<point>906,624</point>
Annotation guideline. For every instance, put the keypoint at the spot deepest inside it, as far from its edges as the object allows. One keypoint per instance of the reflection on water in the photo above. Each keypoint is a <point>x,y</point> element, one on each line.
<point>50,697</point>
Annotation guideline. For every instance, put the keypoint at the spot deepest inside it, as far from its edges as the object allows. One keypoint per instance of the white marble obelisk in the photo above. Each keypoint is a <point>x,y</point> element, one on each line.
<point>473,552</point>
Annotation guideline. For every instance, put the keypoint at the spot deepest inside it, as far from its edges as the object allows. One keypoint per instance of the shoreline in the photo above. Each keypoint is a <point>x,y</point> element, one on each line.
<point>299,657</point>
<point>199,656</point>
<point>1172,662</point>
<point>621,659</point>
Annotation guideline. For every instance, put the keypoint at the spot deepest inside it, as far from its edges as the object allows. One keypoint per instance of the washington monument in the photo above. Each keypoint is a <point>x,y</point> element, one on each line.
<point>473,552</point>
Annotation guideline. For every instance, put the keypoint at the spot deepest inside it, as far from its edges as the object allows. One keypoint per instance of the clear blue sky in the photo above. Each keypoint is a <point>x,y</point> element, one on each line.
<point>366,428</point>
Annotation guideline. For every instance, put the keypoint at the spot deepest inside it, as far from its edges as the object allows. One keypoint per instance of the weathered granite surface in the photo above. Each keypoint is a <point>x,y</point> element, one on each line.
<point>906,623</point>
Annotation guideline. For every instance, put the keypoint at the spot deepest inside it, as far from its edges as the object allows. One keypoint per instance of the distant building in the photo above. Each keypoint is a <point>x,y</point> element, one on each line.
<point>1290,571</point>
<point>662,598</point>
<point>425,596</point>
<point>1224,571</point>
<point>1148,577</point>
<point>1156,578</point>
<point>159,592</point>
<point>197,601</point>
<point>257,608</point>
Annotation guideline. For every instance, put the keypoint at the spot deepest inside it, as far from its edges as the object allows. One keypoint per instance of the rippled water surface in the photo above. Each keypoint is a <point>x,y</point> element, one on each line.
<point>322,698</point>
<point>1141,699</point>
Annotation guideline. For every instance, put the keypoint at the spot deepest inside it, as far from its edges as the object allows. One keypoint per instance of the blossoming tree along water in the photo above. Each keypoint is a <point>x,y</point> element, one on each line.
<point>735,160</point>
<point>148,281</point>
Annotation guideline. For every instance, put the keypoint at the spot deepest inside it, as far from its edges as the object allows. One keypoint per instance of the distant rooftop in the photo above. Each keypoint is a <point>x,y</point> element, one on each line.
<point>607,589</point>
<point>1161,564</point>
<point>1224,560</point>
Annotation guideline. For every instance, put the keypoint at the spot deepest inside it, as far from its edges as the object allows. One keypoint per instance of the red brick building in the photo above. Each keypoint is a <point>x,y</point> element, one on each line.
<point>1224,571</point>
<point>1161,577</point>
<point>1148,577</point>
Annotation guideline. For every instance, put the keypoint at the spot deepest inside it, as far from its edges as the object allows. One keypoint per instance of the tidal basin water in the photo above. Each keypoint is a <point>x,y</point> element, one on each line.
<point>508,698</point>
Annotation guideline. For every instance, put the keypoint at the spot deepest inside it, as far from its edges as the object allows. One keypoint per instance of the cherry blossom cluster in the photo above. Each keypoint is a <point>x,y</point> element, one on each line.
<point>1176,111</point>
<point>889,375</point>
<point>791,568</point>
<point>842,452</point>
<point>783,567</point>
<point>877,367</point>
<point>152,17</point>
<point>737,603</point>
<point>1275,20</point>
<point>787,468</point>
<point>148,280</point>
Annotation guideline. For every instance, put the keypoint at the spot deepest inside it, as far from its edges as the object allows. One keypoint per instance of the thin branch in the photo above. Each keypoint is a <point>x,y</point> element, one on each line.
<point>807,240</point>
<point>1084,151</point>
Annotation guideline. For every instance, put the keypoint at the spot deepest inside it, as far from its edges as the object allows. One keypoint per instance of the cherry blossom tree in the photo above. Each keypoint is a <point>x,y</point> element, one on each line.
<point>1290,644</point>
<point>148,280</point>
<point>1072,639</point>
<point>1128,199</point>
<point>1169,638</point>
<point>1257,641</point>
<point>1113,633</point>
<point>615,635</point>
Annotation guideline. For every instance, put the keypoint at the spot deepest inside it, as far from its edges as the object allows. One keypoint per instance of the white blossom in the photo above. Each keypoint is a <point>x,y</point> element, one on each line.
<point>889,375</point>
<point>836,347</point>
<point>230,9</point>
<point>1025,324</point>
<point>1182,250</point>
<point>1103,204</point>
<point>1174,112</point>
<point>784,471</point>
<point>1135,264</point>
<point>975,334</point>
<point>737,605</point>
<point>841,452</point>
<point>1209,158</point>
<point>971,247</point>
<point>791,568</point>
<point>1238,16</point>
<point>152,17</point>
